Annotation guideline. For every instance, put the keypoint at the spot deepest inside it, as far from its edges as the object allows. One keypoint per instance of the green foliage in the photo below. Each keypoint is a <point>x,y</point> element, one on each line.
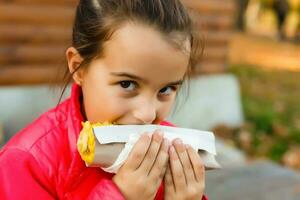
<point>278,149</point>
<point>271,103</point>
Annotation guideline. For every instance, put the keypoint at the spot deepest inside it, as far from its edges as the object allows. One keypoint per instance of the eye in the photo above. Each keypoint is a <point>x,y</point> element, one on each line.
<point>128,85</point>
<point>167,90</point>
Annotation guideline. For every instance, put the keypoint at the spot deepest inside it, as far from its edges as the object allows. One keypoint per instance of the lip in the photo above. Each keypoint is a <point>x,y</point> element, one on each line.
<point>137,123</point>
<point>128,124</point>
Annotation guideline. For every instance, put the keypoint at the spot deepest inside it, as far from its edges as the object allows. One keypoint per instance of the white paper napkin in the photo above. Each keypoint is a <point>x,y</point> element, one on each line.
<point>129,134</point>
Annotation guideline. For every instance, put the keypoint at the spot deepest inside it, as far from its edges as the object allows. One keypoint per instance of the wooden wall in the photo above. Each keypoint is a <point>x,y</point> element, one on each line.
<point>35,33</point>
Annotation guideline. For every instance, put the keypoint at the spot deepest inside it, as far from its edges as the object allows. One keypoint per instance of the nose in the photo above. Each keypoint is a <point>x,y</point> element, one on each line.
<point>146,112</point>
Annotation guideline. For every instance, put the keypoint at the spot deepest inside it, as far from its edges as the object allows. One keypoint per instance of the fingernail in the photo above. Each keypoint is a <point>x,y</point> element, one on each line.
<point>148,134</point>
<point>173,154</point>
<point>172,150</point>
<point>166,142</point>
<point>159,132</point>
<point>178,141</point>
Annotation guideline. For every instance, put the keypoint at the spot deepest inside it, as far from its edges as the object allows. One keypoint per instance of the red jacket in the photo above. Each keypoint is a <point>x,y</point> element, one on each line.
<point>42,161</point>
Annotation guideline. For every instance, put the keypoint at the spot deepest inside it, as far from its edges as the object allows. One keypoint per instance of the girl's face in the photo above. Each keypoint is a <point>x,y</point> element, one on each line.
<point>136,80</point>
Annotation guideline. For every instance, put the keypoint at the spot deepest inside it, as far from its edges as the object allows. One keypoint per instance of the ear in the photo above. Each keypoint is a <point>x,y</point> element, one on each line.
<point>74,60</point>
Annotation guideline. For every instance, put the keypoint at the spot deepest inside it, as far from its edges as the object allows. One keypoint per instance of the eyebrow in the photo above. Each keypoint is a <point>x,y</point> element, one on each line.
<point>132,76</point>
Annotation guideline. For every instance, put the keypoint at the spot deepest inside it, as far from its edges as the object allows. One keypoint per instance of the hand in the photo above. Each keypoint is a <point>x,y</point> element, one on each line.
<point>185,175</point>
<point>142,173</point>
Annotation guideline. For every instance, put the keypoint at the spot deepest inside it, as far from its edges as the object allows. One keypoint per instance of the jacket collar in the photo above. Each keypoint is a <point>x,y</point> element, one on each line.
<point>75,117</point>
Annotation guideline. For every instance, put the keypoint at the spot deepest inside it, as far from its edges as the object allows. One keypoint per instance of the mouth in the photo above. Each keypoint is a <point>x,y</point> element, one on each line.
<point>121,124</point>
<point>136,123</point>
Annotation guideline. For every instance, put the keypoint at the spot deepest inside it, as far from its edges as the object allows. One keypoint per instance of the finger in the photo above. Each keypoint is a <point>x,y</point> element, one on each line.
<point>152,152</point>
<point>176,170</point>
<point>160,165</point>
<point>168,181</point>
<point>197,164</point>
<point>138,152</point>
<point>185,161</point>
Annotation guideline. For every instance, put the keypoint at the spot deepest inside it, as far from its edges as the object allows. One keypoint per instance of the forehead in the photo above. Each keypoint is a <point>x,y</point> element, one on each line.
<point>146,52</point>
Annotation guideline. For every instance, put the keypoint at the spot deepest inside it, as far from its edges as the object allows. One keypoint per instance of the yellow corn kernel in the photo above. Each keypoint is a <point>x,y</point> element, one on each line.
<point>86,141</point>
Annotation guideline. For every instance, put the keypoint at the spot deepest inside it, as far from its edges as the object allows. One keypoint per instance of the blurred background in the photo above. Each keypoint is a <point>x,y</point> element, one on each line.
<point>246,87</point>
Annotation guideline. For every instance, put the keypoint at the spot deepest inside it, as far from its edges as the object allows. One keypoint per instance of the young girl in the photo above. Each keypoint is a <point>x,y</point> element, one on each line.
<point>128,60</point>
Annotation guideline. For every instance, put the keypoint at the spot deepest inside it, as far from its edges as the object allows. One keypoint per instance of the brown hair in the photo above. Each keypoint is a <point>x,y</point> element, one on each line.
<point>96,21</point>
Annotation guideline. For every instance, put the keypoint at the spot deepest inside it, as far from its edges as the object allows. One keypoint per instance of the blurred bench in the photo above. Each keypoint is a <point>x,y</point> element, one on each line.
<point>19,105</point>
<point>261,180</point>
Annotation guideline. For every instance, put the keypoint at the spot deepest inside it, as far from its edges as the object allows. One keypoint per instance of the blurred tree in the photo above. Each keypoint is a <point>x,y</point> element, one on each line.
<point>261,18</point>
<point>291,27</point>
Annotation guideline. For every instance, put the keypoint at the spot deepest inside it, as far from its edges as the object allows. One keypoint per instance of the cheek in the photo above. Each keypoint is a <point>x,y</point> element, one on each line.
<point>165,110</point>
<point>101,104</point>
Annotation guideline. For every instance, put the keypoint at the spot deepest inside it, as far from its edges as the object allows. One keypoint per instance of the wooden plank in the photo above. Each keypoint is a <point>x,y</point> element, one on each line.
<point>38,15</point>
<point>209,68</point>
<point>214,54</point>
<point>31,54</point>
<point>35,74</point>
<point>211,6</point>
<point>267,53</point>
<point>71,3</point>
<point>218,22</point>
<point>215,38</point>
<point>22,34</point>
